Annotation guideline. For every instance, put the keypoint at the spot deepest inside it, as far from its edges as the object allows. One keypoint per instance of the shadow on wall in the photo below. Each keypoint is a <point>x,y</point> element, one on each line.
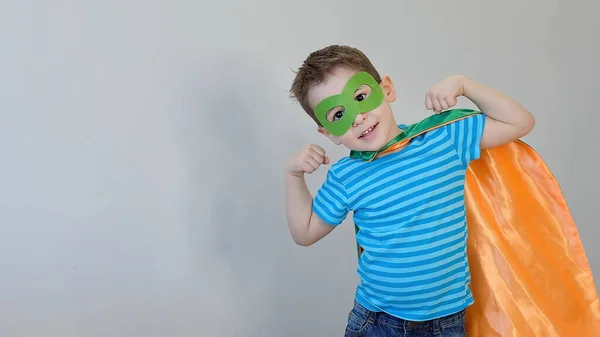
<point>231,226</point>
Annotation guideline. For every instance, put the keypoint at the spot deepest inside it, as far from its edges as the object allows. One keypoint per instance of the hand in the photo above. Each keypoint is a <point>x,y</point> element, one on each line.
<point>444,94</point>
<point>307,160</point>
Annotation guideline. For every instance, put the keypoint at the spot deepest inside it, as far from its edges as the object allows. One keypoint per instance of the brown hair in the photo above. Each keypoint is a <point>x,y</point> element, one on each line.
<point>321,62</point>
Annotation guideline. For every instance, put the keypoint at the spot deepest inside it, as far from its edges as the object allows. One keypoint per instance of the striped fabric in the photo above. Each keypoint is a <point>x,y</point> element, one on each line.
<point>410,209</point>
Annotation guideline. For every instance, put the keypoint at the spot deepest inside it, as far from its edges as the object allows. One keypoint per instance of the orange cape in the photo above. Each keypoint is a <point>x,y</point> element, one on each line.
<point>529,272</point>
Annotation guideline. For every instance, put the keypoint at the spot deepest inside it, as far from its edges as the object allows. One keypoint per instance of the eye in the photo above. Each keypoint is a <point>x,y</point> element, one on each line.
<point>362,93</point>
<point>335,114</point>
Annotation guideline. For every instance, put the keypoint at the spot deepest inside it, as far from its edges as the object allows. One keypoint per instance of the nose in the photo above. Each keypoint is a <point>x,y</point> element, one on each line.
<point>359,119</point>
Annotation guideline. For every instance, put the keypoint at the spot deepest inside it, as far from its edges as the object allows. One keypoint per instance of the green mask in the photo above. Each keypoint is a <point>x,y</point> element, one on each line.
<point>351,106</point>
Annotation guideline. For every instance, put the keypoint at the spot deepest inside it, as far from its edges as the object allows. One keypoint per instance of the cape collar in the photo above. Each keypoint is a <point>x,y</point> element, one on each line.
<point>411,131</point>
<point>392,145</point>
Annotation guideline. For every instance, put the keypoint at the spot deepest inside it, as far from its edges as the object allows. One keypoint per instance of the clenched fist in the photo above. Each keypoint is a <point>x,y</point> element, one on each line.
<point>307,160</point>
<point>444,94</point>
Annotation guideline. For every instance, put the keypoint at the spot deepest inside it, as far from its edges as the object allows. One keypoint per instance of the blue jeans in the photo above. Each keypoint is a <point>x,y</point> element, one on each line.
<point>365,323</point>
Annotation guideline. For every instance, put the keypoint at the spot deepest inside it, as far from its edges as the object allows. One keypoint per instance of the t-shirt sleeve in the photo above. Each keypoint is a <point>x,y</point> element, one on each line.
<point>330,202</point>
<point>466,136</point>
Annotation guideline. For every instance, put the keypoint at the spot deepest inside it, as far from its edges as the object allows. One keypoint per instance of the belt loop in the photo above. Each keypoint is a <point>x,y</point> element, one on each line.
<point>436,325</point>
<point>372,317</point>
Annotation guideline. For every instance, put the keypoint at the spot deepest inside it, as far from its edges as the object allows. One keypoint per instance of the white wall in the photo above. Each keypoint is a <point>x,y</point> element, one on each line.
<point>132,204</point>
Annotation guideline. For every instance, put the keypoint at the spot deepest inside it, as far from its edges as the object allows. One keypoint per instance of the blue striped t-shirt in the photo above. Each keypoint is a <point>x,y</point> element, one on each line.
<point>410,209</point>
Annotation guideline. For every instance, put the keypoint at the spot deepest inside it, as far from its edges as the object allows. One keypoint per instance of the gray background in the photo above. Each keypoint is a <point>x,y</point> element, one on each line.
<point>142,146</point>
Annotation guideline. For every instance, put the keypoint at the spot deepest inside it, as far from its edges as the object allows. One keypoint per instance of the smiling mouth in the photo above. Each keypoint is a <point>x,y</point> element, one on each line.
<point>368,131</point>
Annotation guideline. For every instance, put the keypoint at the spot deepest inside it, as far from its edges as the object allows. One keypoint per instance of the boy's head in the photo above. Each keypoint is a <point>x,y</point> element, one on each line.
<point>343,93</point>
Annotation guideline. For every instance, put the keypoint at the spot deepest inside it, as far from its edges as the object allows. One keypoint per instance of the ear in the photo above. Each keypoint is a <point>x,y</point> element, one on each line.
<point>331,137</point>
<point>389,92</point>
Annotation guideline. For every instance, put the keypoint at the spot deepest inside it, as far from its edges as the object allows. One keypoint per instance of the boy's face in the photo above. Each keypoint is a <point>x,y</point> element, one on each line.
<point>369,131</point>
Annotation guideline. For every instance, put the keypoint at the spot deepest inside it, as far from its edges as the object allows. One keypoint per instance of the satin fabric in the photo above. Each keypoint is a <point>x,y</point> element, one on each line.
<point>529,272</point>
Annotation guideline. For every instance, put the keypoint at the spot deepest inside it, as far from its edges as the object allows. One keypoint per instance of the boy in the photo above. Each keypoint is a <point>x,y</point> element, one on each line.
<point>408,203</point>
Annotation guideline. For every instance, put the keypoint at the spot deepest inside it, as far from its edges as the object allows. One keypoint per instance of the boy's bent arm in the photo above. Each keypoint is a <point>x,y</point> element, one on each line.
<point>506,119</point>
<point>305,226</point>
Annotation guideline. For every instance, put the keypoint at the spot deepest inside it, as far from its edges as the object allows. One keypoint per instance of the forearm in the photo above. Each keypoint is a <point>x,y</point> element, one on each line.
<point>298,207</point>
<point>497,106</point>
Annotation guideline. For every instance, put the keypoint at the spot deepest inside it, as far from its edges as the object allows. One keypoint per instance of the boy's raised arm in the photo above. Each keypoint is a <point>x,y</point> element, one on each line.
<point>305,226</point>
<point>507,120</point>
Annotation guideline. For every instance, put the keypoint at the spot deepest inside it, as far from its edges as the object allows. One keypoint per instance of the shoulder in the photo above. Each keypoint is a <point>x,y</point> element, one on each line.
<point>469,119</point>
<point>465,125</point>
<point>345,168</point>
<point>456,129</point>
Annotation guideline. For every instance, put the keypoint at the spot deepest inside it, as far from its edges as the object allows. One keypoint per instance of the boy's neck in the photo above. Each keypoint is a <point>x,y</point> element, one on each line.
<point>395,147</point>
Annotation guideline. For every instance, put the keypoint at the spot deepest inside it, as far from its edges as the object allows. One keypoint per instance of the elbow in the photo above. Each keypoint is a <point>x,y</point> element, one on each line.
<point>526,126</point>
<point>529,124</point>
<point>300,237</point>
<point>303,241</point>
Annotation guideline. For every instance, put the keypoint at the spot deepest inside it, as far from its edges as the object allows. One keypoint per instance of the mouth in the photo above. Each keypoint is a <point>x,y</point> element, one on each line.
<point>368,132</point>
